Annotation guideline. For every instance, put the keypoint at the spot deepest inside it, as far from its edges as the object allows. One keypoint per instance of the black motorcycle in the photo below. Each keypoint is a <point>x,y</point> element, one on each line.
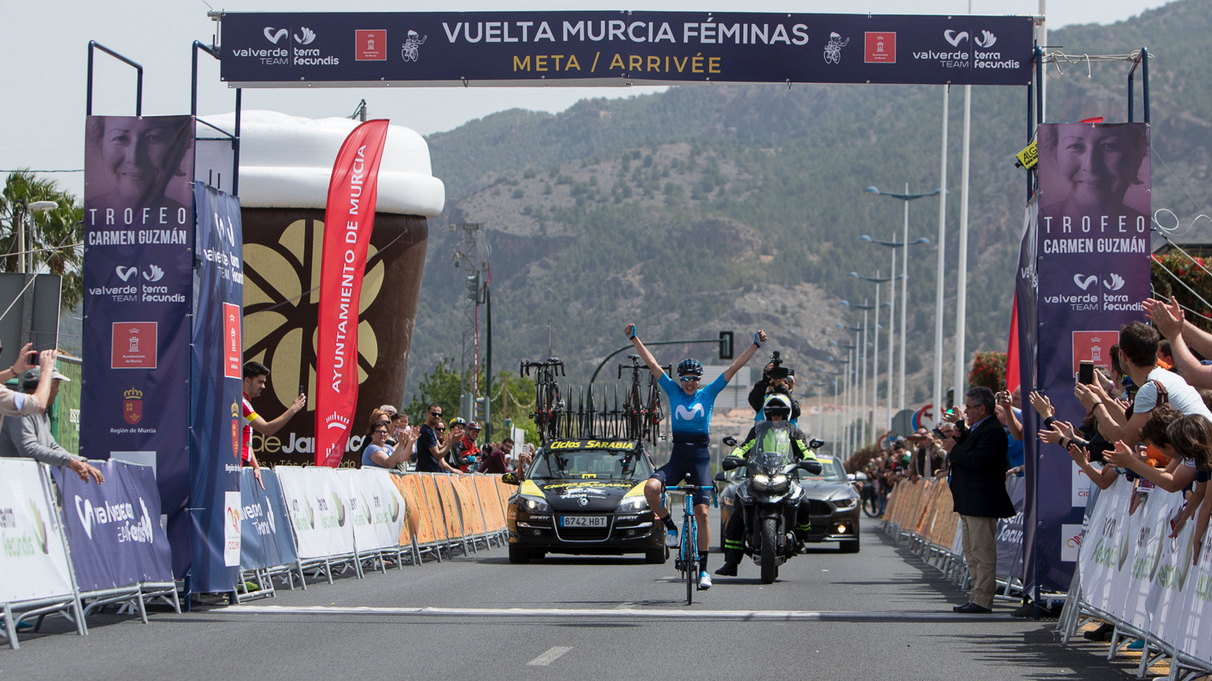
<point>769,495</point>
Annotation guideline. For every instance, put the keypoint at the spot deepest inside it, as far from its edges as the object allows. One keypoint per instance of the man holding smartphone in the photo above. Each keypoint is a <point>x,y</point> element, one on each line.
<point>255,376</point>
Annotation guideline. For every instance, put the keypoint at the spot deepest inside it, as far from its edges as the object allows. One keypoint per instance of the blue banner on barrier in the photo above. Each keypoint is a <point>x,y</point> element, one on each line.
<point>265,536</point>
<point>138,219</point>
<point>113,528</point>
<point>616,48</point>
<point>1090,277</point>
<point>216,396</point>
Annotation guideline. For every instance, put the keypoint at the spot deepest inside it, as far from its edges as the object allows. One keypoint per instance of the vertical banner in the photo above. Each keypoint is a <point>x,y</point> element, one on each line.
<point>1091,266</point>
<point>216,396</point>
<point>349,220</point>
<point>138,256</point>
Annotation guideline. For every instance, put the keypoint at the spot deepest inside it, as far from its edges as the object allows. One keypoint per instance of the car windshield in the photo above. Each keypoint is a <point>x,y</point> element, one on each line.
<point>600,464</point>
<point>831,471</point>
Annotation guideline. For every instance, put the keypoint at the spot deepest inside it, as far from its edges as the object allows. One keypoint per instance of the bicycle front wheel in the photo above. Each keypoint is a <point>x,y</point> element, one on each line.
<point>690,560</point>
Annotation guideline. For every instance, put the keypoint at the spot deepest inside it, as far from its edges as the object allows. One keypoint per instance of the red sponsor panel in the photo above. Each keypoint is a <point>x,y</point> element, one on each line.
<point>370,44</point>
<point>879,47</point>
<point>349,219</point>
<point>1093,346</point>
<point>232,346</point>
<point>134,345</point>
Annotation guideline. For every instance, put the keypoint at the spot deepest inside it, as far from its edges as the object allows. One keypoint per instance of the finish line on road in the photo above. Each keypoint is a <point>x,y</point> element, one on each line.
<point>599,613</point>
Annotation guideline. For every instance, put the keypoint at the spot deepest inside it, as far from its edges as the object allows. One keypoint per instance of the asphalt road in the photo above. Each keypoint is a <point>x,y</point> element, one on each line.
<point>878,614</point>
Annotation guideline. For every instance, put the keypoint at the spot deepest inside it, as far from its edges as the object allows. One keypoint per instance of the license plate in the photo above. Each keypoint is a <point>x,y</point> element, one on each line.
<point>583,521</point>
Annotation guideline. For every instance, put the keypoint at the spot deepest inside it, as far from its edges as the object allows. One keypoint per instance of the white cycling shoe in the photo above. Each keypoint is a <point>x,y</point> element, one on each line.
<point>671,539</point>
<point>704,581</point>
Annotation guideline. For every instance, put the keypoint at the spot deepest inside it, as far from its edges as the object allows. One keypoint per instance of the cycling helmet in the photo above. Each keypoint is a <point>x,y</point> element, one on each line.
<point>458,421</point>
<point>776,405</point>
<point>690,367</point>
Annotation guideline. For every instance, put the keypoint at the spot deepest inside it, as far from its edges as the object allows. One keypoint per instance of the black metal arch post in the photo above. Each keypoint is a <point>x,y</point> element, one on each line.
<point>93,46</point>
<point>193,111</point>
<point>1141,60</point>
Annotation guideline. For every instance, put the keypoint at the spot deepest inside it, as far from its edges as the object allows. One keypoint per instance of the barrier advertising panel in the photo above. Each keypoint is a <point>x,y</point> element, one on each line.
<point>138,260</point>
<point>33,561</point>
<point>317,512</point>
<point>1091,270</point>
<point>113,528</point>
<point>216,417</point>
<point>616,48</point>
<point>265,539</point>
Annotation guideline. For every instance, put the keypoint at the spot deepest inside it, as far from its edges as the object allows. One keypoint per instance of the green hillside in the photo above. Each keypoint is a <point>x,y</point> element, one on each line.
<point>731,207</point>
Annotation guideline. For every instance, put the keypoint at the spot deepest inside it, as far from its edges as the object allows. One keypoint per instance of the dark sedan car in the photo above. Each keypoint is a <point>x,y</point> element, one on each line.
<point>584,497</point>
<point>834,505</point>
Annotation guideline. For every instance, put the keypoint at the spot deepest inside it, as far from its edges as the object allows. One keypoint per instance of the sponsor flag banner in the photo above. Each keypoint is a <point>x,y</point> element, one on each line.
<point>113,528</point>
<point>349,221</point>
<point>617,49</point>
<point>33,560</point>
<point>1089,267</point>
<point>265,538</point>
<point>138,259</point>
<point>216,398</point>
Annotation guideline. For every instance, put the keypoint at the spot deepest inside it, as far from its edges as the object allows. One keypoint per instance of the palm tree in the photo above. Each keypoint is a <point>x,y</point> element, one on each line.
<point>54,237</point>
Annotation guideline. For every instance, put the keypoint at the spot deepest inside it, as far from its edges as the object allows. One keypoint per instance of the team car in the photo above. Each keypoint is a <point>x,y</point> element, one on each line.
<point>833,504</point>
<point>584,497</point>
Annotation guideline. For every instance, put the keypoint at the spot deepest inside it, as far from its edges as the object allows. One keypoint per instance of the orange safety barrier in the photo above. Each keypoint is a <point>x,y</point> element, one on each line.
<point>494,519</point>
<point>412,509</point>
<point>433,506</point>
<point>444,485</point>
<point>465,489</point>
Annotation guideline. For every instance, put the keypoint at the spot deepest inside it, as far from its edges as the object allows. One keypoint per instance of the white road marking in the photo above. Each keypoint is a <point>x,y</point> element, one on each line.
<point>548,657</point>
<point>602,613</point>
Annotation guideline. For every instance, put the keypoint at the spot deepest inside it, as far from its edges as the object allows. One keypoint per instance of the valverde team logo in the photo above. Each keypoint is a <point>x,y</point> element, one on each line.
<point>132,405</point>
<point>277,286</point>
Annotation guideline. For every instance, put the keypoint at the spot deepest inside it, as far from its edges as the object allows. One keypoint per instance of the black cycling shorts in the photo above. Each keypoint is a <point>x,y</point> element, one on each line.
<point>688,457</point>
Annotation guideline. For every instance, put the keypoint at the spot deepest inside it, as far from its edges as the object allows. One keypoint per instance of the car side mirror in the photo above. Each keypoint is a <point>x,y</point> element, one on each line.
<point>851,477</point>
<point>813,467</point>
<point>732,462</point>
<point>729,440</point>
<point>510,479</point>
<point>721,477</point>
<point>815,443</point>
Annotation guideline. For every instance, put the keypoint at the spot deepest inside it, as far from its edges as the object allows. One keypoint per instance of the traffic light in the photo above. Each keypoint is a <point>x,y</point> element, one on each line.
<point>725,345</point>
<point>482,411</point>
<point>473,288</point>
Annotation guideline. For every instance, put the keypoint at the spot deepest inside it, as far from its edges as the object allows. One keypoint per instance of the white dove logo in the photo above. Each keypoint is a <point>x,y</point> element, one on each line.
<point>955,38</point>
<point>985,40</point>
<point>308,36</point>
<point>145,522</point>
<point>269,516</point>
<point>274,36</point>
<point>125,273</point>
<point>1115,284</point>
<point>153,274</point>
<point>684,414</point>
<point>86,515</point>
<point>1085,281</point>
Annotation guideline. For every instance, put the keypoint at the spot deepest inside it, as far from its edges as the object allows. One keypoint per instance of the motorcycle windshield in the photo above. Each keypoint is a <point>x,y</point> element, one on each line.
<point>771,452</point>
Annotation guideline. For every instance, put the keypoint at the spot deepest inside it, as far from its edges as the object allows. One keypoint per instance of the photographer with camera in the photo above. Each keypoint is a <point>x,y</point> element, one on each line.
<point>776,379</point>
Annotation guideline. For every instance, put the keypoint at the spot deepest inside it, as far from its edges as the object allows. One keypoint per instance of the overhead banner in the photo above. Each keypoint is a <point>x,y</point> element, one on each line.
<point>1087,275</point>
<point>138,259</point>
<point>113,528</point>
<point>620,48</point>
<point>265,538</point>
<point>349,219</point>
<point>216,417</point>
<point>33,559</point>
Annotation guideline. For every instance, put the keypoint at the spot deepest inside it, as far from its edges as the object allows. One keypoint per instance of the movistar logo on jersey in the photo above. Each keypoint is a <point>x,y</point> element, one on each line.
<point>685,414</point>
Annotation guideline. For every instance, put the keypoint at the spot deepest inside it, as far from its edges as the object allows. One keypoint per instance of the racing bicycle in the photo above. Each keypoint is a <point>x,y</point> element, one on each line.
<point>641,407</point>
<point>687,559</point>
<point>548,406</point>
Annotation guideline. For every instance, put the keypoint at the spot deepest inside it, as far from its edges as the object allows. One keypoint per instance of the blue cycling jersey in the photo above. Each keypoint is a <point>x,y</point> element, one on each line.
<point>691,414</point>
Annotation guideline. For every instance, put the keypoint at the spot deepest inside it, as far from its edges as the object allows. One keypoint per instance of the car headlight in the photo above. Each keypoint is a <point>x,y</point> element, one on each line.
<point>765,483</point>
<point>845,503</point>
<point>633,505</point>
<point>533,504</point>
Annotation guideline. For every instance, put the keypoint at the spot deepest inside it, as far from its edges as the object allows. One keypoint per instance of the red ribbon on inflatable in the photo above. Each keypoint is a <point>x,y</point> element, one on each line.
<point>349,220</point>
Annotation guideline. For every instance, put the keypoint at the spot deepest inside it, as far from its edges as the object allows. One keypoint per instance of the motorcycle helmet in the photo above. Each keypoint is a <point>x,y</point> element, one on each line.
<point>776,405</point>
<point>690,367</point>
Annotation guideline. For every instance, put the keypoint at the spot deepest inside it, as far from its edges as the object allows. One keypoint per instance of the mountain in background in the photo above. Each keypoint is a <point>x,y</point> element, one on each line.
<point>717,207</point>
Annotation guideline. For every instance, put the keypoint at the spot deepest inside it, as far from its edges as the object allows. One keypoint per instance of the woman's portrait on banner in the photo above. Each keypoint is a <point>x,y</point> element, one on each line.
<point>138,170</point>
<point>1095,170</point>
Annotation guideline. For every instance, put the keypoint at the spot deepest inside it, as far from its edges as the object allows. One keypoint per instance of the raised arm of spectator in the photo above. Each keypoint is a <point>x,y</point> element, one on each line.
<point>1081,457</point>
<point>758,338</point>
<point>1005,403</point>
<point>1174,478</point>
<point>1168,318</point>
<point>1109,416</point>
<point>1201,525</point>
<point>270,427</point>
<point>1194,503</point>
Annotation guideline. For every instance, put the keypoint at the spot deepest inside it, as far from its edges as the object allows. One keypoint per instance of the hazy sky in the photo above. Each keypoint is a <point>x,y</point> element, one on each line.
<point>43,46</point>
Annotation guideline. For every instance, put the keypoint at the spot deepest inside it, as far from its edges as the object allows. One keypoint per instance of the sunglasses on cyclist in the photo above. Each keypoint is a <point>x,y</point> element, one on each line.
<point>688,379</point>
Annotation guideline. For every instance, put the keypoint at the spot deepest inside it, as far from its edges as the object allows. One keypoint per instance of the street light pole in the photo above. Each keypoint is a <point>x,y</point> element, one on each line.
<point>942,260</point>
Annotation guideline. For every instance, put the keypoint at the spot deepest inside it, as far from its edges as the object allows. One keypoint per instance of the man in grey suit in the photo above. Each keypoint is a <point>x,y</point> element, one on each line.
<point>30,435</point>
<point>976,456</point>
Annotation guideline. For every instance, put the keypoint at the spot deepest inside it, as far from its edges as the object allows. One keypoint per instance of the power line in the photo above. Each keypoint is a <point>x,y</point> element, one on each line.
<point>29,170</point>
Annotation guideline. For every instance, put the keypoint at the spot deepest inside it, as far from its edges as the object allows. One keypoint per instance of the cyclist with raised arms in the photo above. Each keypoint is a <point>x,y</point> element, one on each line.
<point>690,408</point>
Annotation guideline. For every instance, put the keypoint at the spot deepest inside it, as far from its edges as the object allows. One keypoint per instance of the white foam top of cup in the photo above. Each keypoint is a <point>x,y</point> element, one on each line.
<point>286,162</point>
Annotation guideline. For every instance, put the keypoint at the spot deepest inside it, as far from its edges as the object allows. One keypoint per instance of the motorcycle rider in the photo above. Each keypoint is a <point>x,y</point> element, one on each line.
<point>773,432</point>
